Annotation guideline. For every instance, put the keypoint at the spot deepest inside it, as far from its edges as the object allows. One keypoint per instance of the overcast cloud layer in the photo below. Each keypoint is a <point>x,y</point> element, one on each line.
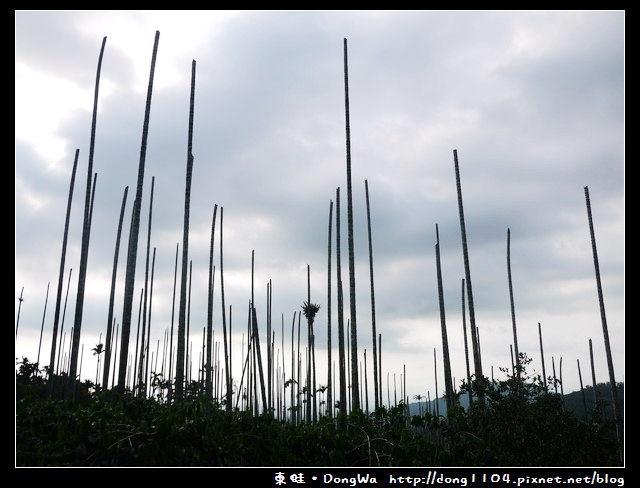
<point>532,101</point>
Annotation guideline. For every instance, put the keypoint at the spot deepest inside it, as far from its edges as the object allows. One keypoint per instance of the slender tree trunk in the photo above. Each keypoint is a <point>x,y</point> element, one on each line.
<point>144,340</point>
<point>226,337</point>
<point>341,348</point>
<point>208,365</point>
<point>472,316</point>
<point>513,310</point>
<point>605,331</point>
<point>20,300</point>
<point>544,373</point>
<point>380,365</point>
<point>146,368</point>
<point>329,382</point>
<point>173,307</point>
<point>352,274</point>
<point>593,374</point>
<point>293,370</point>
<point>180,360</point>
<point>443,326</point>
<point>466,345</point>
<point>132,251</point>
<point>584,400</point>
<point>435,374</point>
<point>137,346</point>
<point>56,315</point>
<point>44,313</point>
<point>64,311</point>
<point>107,349</point>
<point>373,304</point>
<point>269,356</point>
<point>256,338</point>
<point>86,230</point>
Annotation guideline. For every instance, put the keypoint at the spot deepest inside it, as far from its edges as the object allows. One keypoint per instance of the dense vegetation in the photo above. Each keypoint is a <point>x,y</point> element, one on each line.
<point>522,423</point>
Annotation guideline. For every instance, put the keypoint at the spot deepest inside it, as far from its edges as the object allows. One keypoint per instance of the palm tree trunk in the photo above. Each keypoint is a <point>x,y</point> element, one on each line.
<point>132,251</point>
<point>472,317</point>
<point>605,332</point>
<point>180,359</point>
<point>352,274</point>
<point>373,303</point>
<point>56,315</point>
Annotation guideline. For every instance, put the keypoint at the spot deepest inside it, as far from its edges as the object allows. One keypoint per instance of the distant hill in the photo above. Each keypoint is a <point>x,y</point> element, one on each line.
<point>574,401</point>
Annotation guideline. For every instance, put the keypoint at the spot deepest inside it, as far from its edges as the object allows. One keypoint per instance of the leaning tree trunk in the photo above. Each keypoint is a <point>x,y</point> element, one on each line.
<point>180,358</point>
<point>605,331</point>
<point>466,346</point>
<point>56,315</point>
<point>86,230</point>
<point>373,305</point>
<point>544,372</point>
<point>329,382</point>
<point>132,251</point>
<point>208,365</point>
<point>44,314</point>
<point>107,349</point>
<point>173,307</point>
<point>472,316</point>
<point>146,368</point>
<point>355,399</point>
<point>448,384</point>
<point>226,337</point>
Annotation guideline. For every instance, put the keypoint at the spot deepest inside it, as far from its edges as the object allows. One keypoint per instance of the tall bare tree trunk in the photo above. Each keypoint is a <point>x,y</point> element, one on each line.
<point>180,358</point>
<point>355,398</point>
<point>86,231</point>
<point>605,331</point>
<point>107,349</point>
<point>56,315</point>
<point>472,315</point>
<point>132,251</point>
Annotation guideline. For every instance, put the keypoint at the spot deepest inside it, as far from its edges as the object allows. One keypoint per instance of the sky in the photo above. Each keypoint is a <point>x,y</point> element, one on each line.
<point>532,102</point>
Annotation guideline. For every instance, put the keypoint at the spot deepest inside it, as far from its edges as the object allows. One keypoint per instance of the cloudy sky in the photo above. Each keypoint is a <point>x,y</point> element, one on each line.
<point>532,101</point>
